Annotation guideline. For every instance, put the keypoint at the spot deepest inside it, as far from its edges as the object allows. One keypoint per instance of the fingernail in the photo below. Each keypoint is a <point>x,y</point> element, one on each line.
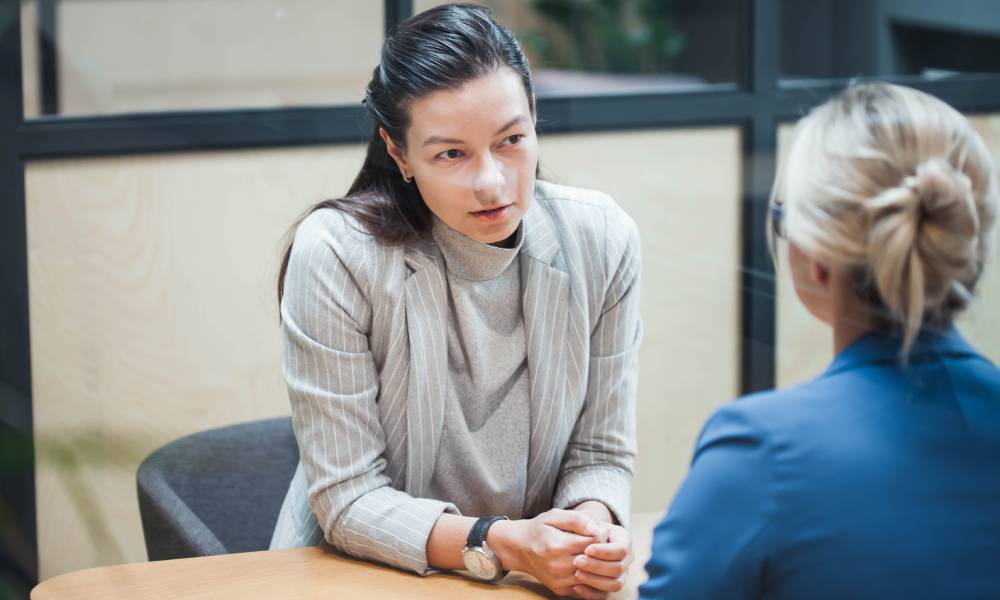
<point>579,561</point>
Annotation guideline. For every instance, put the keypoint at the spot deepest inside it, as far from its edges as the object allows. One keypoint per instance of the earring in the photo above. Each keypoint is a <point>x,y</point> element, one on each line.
<point>407,179</point>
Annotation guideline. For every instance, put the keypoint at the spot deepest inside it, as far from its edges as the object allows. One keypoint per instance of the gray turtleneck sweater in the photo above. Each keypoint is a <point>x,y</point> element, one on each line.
<point>483,457</point>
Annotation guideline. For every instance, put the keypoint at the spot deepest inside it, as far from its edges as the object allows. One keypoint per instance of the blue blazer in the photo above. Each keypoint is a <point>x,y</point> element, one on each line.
<point>871,481</point>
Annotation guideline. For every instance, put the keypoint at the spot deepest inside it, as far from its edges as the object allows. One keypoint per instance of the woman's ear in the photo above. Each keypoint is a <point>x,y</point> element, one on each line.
<point>819,272</point>
<point>396,153</point>
<point>812,280</point>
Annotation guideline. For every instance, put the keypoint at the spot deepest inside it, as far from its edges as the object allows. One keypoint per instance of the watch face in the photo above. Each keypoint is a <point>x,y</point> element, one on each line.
<point>479,564</point>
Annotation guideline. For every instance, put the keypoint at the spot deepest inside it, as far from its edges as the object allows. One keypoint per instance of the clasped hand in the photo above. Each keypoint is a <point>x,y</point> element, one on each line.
<point>570,552</point>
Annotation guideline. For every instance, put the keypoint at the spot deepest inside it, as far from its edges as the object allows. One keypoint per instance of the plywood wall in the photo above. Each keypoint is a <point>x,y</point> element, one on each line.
<point>153,315</point>
<point>153,312</point>
<point>683,189</point>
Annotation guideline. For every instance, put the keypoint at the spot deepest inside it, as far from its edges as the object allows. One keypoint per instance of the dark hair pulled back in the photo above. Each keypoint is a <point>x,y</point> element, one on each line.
<point>441,48</point>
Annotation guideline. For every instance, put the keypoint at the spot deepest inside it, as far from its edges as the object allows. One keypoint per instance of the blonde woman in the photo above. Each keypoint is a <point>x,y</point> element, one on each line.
<point>881,477</point>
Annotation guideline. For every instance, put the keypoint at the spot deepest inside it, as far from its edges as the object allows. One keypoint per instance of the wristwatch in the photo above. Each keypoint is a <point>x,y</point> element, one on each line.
<point>477,556</point>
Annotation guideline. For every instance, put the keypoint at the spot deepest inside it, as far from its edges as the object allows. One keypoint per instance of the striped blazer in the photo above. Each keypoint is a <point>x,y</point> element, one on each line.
<point>364,329</point>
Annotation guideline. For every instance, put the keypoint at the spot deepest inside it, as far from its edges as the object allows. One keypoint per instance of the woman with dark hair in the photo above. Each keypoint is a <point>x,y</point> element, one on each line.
<point>461,338</point>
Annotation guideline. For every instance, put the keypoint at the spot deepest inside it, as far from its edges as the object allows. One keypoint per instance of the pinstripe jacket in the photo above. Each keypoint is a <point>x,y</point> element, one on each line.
<point>365,362</point>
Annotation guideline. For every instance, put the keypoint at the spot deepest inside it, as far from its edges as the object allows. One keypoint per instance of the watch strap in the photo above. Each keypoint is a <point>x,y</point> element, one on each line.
<point>477,535</point>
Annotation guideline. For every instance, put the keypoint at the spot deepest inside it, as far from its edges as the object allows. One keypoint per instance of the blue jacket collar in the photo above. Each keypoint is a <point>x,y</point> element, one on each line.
<point>883,348</point>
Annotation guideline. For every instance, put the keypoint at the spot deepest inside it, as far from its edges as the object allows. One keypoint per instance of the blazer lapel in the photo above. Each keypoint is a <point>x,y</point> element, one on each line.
<point>546,316</point>
<point>545,303</point>
<point>426,302</point>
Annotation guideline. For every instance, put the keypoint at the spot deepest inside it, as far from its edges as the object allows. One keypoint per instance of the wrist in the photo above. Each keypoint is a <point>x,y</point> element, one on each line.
<point>501,538</point>
<point>597,511</point>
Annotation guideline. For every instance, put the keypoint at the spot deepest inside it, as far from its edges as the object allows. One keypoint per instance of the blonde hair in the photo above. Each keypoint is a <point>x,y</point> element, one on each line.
<point>897,187</point>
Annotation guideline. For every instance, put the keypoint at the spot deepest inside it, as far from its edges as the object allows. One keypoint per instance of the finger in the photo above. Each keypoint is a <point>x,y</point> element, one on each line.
<point>573,521</point>
<point>616,552</point>
<point>562,586</point>
<point>605,568</point>
<point>563,591</point>
<point>603,532</point>
<point>576,545</point>
<point>570,543</point>
<point>620,534</point>
<point>588,593</point>
<point>606,584</point>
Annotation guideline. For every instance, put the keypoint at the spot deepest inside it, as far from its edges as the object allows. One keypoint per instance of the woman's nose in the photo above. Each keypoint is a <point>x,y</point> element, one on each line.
<point>490,174</point>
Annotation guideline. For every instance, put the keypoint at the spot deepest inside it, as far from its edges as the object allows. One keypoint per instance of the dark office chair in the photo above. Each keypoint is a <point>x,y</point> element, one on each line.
<point>217,491</point>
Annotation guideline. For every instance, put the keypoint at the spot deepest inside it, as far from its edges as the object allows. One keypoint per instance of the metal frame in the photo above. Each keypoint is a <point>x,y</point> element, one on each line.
<point>760,142</point>
<point>18,557</point>
<point>47,34</point>
<point>756,105</point>
<point>396,11</point>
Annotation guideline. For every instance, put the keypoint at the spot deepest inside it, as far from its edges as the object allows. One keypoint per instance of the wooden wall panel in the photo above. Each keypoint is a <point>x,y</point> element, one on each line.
<point>683,189</point>
<point>153,311</point>
<point>153,315</point>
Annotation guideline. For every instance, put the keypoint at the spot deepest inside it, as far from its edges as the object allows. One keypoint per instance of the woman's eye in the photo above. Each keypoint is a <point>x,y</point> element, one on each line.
<point>510,140</point>
<point>450,154</point>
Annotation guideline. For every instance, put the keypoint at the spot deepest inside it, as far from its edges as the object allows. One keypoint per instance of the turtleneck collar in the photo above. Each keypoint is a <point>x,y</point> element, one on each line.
<point>471,259</point>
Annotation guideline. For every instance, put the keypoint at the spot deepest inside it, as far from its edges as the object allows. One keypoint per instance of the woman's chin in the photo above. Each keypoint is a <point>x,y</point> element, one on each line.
<point>495,232</point>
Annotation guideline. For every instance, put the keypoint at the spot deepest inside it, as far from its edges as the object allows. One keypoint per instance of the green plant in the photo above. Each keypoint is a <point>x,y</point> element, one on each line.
<point>618,36</point>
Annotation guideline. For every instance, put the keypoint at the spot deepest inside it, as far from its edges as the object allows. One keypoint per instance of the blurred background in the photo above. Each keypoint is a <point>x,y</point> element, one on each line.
<point>153,153</point>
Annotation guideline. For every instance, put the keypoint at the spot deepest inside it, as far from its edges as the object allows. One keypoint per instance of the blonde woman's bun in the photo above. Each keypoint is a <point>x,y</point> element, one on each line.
<point>922,244</point>
<point>896,186</point>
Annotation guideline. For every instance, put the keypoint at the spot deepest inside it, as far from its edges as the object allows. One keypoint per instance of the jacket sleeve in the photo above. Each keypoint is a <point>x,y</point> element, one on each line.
<point>333,386</point>
<point>599,457</point>
<point>714,539</point>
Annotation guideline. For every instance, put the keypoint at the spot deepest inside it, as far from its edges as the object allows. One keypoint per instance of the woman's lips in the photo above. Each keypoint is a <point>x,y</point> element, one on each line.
<point>494,214</point>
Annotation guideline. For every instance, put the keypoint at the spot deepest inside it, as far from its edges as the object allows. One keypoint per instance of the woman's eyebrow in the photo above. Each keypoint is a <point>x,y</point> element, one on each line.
<point>511,123</point>
<point>436,139</point>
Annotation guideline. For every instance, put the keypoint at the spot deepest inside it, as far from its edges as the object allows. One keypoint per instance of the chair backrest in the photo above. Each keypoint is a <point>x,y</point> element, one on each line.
<point>217,491</point>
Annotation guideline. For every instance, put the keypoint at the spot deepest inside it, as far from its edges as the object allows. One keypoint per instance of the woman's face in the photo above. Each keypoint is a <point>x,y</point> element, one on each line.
<point>472,152</point>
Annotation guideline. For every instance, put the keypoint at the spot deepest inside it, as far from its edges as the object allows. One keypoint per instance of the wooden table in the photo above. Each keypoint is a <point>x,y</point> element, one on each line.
<point>302,573</point>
